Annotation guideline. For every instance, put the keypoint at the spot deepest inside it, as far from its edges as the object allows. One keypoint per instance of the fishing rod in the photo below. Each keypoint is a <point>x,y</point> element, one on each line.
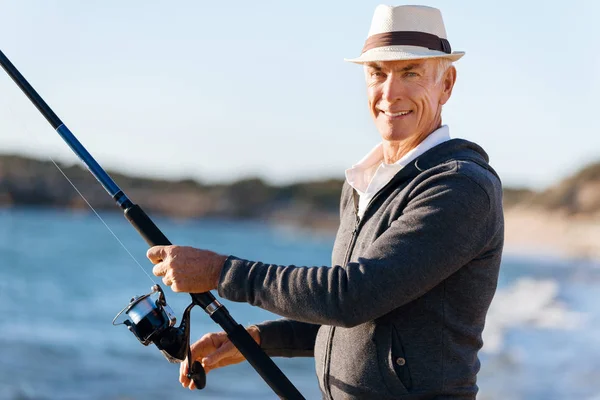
<point>152,320</point>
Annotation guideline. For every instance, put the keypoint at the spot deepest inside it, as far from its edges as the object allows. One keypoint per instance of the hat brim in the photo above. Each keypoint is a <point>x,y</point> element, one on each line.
<point>397,53</point>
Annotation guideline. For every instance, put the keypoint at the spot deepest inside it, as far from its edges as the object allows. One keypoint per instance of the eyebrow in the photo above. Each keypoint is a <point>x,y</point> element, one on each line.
<point>374,66</point>
<point>377,67</point>
<point>412,66</point>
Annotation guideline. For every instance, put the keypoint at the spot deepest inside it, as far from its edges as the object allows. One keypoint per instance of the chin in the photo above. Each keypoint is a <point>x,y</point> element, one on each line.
<point>395,132</point>
<point>395,135</point>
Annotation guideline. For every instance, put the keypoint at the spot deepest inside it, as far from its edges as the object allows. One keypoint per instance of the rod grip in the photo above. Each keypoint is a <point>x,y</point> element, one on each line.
<point>265,367</point>
<point>154,237</point>
<point>145,226</point>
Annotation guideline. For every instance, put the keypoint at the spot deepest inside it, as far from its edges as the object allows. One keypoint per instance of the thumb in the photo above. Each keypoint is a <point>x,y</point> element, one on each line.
<point>156,254</point>
<point>227,349</point>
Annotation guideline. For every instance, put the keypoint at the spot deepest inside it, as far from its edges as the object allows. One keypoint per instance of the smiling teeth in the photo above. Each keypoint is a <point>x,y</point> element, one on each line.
<point>389,114</point>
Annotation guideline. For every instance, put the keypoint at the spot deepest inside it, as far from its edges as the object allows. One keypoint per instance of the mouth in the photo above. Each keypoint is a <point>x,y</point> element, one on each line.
<point>396,115</point>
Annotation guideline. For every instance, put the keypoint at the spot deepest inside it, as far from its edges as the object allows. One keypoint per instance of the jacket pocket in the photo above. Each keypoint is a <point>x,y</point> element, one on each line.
<point>399,362</point>
<point>386,350</point>
<point>321,342</point>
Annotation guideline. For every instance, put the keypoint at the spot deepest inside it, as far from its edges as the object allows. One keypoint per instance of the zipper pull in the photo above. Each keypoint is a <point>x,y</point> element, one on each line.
<point>355,198</point>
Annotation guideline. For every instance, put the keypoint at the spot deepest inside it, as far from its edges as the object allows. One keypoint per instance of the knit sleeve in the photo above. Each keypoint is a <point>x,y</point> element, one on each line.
<point>445,224</point>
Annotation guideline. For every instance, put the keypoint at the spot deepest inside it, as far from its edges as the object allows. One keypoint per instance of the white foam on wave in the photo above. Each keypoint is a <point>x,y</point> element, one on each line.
<point>528,302</point>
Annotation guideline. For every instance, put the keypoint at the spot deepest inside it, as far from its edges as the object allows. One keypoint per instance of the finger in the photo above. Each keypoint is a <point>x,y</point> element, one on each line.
<point>205,345</point>
<point>183,371</point>
<point>156,254</point>
<point>224,362</point>
<point>225,351</point>
<point>175,287</point>
<point>167,281</point>
<point>160,269</point>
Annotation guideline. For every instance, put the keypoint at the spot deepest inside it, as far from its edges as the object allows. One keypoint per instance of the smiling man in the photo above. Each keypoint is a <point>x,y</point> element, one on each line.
<point>400,311</point>
<point>406,112</point>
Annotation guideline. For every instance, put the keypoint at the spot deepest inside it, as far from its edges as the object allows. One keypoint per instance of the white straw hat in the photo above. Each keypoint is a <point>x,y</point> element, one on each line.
<point>406,33</point>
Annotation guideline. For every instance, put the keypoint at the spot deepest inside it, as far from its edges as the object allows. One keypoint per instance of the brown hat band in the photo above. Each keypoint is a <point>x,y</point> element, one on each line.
<point>408,38</point>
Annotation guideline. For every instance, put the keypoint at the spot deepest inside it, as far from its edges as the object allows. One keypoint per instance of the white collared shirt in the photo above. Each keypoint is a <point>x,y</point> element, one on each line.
<point>371,174</point>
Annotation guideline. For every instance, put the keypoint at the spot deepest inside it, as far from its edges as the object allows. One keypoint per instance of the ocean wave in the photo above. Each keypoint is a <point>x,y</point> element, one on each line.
<point>527,302</point>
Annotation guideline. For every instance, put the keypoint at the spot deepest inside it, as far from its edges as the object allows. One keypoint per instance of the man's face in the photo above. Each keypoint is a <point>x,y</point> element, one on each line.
<point>406,98</point>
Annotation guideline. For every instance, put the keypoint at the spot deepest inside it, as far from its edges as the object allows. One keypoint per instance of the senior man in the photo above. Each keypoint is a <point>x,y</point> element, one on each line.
<point>400,311</point>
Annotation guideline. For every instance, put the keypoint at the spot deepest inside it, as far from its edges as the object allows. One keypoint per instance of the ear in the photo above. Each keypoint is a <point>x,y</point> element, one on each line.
<point>447,83</point>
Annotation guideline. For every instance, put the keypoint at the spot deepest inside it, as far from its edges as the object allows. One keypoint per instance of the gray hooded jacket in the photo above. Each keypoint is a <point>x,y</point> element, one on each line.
<point>400,311</point>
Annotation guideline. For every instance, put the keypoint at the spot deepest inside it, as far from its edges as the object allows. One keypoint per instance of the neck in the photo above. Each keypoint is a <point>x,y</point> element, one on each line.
<point>393,150</point>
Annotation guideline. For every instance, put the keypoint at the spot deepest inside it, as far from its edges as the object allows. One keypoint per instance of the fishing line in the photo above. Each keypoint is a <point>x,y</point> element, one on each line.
<point>28,132</point>
<point>155,319</point>
<point>102,220</point>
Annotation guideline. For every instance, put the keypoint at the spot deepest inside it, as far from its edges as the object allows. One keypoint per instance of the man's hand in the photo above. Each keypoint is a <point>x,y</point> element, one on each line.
<point>214,350</point>
<point>186,269</point>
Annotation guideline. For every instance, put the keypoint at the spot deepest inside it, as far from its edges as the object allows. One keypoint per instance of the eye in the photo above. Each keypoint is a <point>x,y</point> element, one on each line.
<point>411,74</point>
<point>377,74</point>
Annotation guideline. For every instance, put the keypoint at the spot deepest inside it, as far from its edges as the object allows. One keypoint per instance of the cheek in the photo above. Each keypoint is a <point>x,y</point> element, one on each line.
<point>372,96</point>
<point>425,98</point>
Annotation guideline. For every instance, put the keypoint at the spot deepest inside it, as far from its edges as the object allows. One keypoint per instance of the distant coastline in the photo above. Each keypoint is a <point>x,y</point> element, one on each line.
<point>563,219</point>
<point>35,183</point>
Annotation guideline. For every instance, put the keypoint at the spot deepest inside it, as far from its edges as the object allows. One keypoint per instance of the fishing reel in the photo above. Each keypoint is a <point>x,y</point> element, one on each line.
<point>151,320</point>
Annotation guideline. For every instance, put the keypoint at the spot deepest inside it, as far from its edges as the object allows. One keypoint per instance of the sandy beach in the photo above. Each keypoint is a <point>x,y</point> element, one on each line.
<point>534,231</point>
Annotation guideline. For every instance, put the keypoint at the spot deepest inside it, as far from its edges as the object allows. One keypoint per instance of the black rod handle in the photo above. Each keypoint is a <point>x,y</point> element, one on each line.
<point>262,363</point>
<point>145,226</point>
<point>154,237</point>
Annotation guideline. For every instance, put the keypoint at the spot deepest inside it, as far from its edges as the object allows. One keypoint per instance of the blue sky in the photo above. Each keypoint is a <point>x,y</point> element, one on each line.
<point>224,90</point>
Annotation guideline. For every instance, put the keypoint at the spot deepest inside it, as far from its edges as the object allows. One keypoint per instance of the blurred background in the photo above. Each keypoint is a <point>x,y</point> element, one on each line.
<point>232,124</point>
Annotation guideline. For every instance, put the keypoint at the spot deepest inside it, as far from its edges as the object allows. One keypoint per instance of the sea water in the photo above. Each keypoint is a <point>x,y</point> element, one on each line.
<point>63,277</point>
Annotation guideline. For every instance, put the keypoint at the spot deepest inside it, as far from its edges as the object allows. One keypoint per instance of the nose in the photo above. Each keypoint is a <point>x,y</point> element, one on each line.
<point>393,88</point>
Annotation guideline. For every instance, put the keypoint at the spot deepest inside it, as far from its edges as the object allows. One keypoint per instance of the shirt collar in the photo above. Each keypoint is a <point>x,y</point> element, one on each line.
<point>360,174</point>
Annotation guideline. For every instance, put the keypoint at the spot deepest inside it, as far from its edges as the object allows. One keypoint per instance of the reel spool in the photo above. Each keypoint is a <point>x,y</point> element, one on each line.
<point>148,318</point>
<point>153,321</point>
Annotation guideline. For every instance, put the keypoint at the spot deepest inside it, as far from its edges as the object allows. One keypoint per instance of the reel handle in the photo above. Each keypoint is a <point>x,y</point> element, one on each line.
<point>198,375</point>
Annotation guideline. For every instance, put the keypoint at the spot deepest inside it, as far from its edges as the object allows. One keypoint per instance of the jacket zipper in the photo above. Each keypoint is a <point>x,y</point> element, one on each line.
<point>357,224</point>
<point>355,231</point>
<point>327,365</point>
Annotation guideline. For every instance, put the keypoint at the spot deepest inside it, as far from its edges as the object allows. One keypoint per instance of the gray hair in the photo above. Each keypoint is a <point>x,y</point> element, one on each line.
<point>442,65</point>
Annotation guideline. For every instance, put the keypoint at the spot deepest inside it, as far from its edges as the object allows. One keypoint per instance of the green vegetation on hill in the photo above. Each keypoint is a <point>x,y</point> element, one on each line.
<point>578,194</point>
<point>29,182</point>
